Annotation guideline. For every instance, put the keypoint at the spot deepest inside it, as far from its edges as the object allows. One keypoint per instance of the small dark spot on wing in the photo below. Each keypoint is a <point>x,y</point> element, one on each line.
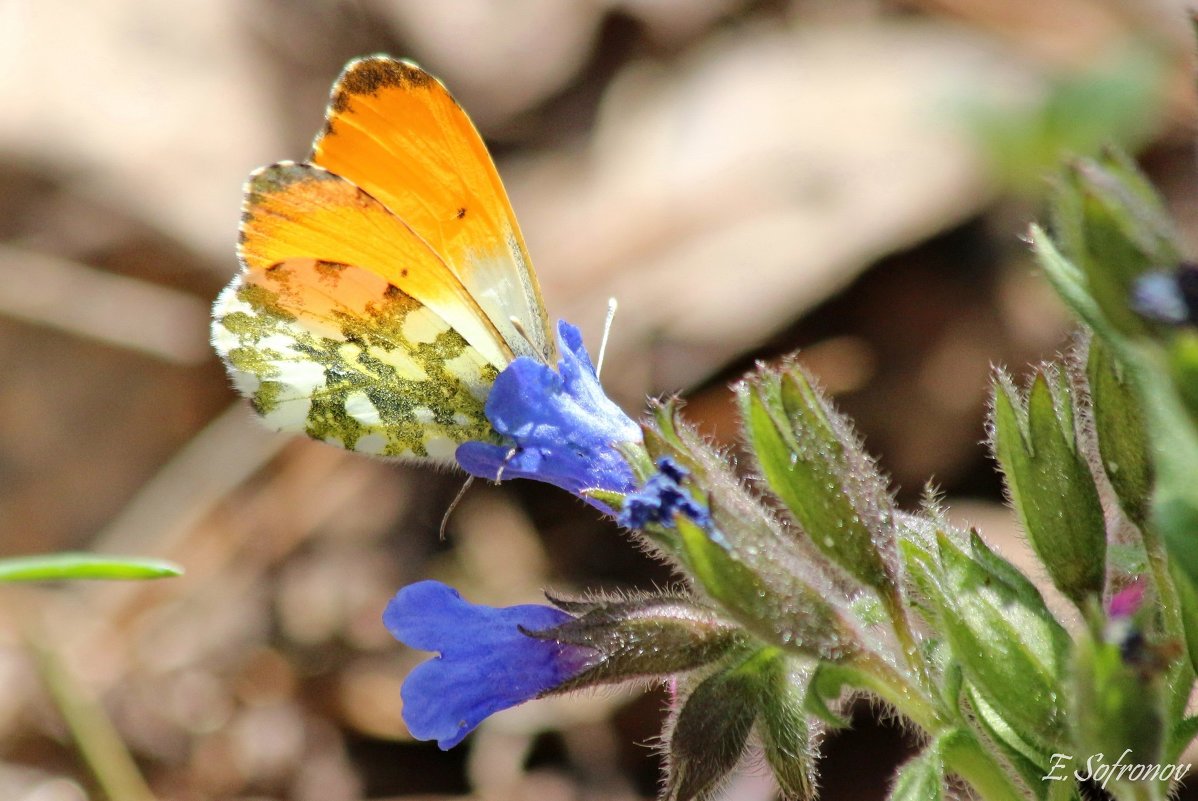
<point>461,212</point>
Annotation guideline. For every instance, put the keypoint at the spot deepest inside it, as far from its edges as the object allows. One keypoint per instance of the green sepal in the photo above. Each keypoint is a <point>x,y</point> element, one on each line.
<point>952,680</point>
<point>642,637</point>
<point>1035,441</point>
<point>611,498</point>
<point>1119,425</point>
<point>744,558</point>
<point>812,461</point>
<point>964,756</point>
<point>1070,283</point>
<point>737,512</point>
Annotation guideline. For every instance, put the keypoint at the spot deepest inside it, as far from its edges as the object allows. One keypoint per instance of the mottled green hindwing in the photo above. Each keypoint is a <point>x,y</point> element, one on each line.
<point>336,352</point>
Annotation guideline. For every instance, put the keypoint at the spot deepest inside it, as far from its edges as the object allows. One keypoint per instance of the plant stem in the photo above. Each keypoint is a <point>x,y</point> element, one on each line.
<point>964,756</point>
<point>897,689</point>
<point>901,623</point>
<point>1182,678</point>
<point>1137,791</point>
<point>98,740</point>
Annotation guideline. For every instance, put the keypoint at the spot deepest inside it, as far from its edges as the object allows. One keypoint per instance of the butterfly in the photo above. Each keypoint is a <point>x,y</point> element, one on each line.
<point>384,282</point>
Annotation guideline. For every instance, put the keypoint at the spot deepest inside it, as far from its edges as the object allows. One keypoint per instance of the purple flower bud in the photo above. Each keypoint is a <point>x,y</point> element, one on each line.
<point>486,661</point>
<point>1127,601</point>
<point>558,426</point>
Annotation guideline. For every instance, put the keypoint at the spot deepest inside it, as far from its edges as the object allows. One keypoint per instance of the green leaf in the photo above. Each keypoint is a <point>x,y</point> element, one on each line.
<point>1026,759</point>
<point>811,460</point>
<point>1117,98</point>
<point>1175,458</point>
<point>964,756</point>
<point>1116,707</point>
<point>1187,596</point>
<point>920,778</point>
<point>765,602</point>
<point>1070,283</point>
<point>826,687</point>
<point>1050,484</point>
<point>75,566</point>
<point>1008,644</point>
<point>1180,737</point>
<point>1119,425</point>
<point>711,731</point>
<point>784,729</point>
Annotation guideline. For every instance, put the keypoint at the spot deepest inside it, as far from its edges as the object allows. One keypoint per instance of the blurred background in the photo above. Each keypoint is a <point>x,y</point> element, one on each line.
<point>849,178</point>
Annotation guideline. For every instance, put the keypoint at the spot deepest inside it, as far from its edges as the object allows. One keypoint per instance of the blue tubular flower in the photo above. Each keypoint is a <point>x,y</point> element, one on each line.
<point>486,662</point>
<point>558,426</point>
<point>661,498</point>
<point>1157,296</point>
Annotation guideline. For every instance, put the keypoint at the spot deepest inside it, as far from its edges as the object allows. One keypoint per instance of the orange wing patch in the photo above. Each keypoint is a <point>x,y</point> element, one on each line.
<point>397,133</point>
<point>300,211</point>
<point>379,283</point>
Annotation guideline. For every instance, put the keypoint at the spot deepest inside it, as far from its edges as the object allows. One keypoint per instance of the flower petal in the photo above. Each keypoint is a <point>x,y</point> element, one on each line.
<point>486,661</point>
<point>558,426</point>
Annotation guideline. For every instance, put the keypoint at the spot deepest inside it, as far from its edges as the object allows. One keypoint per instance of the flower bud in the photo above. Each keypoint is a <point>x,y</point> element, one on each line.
<point>812,461</point>
<point>1112,225</point>
<point>1036,444</point>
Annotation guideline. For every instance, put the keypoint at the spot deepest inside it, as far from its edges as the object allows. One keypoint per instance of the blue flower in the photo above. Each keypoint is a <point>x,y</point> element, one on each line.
<point>661,498</point>
<point>486,661</point>
<point>558,426</point>
<point>1167,297</point>
<point>1158,297</point>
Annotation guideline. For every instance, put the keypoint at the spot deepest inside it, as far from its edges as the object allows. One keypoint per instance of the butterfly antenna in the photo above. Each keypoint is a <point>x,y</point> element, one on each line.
<point>611,313</point>
<point>454,504</point>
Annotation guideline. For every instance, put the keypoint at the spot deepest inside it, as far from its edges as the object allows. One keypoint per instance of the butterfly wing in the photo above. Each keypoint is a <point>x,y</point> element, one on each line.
<point>345,325</point>
<point>396,132</point>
